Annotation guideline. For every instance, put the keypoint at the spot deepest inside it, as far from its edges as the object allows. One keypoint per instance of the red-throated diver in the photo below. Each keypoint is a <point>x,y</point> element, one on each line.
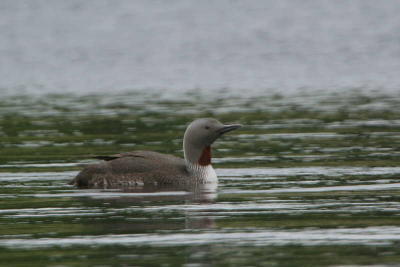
<point>147,167</point>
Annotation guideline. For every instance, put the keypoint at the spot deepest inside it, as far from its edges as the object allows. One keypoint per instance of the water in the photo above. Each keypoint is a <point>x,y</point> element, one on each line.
<point>310,180</point>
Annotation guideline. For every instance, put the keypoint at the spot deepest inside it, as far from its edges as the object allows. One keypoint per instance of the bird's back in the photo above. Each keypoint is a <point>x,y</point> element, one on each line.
<point>133,168</point>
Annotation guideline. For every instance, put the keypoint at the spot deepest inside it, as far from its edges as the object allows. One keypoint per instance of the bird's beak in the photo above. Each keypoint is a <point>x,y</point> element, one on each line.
<point>228,128</point>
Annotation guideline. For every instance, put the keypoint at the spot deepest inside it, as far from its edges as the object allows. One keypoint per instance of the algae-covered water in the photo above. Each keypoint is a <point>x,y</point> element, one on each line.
<point>310,180</point>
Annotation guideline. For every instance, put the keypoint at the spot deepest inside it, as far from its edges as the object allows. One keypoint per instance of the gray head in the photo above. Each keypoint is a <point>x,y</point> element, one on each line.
<point>199,136</point>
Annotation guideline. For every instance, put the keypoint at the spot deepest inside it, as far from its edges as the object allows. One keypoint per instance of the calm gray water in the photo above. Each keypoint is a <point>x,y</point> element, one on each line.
<point>260,46</point>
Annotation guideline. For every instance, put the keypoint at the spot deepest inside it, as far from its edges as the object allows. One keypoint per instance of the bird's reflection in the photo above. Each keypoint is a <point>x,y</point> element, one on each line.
<point>196,193</point>
<point>141,202</point>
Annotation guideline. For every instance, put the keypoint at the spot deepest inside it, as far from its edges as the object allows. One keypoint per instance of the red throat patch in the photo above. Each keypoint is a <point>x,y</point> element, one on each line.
<point>205,158</point>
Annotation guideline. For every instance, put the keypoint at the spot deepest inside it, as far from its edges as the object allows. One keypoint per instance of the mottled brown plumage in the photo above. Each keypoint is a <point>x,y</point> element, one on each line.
<point>133,168</point>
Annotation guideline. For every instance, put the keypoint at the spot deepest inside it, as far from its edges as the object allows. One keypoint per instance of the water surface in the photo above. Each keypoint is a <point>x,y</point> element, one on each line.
<point>311,180</point>
<point>259,46</point>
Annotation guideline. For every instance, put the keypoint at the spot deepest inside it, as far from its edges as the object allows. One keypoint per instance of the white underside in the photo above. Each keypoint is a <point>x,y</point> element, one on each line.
<point>205,174</point>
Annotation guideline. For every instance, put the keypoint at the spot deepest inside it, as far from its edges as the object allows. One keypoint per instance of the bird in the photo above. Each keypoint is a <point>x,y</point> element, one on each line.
<point>153,168</point>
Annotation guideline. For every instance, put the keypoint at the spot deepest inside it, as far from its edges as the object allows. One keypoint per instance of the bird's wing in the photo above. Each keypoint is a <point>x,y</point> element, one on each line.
<point>143,156</point>
<point>144,161</point>
<point>120,155</point>
<point>137,165</point>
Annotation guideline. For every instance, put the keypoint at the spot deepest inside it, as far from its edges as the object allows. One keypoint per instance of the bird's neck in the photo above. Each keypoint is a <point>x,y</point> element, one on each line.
<point>197,156</point>
<point>199,164</point>
<point>205,157</point>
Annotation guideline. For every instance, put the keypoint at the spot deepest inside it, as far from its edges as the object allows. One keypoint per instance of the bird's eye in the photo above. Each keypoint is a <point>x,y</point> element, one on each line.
<point>207,127</point>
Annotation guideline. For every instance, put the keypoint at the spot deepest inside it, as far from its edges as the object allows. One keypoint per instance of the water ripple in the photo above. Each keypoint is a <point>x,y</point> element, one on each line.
<point>371,236</point>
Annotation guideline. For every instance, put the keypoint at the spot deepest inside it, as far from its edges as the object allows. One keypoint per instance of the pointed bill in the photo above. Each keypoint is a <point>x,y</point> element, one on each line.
<point>228,128</point>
